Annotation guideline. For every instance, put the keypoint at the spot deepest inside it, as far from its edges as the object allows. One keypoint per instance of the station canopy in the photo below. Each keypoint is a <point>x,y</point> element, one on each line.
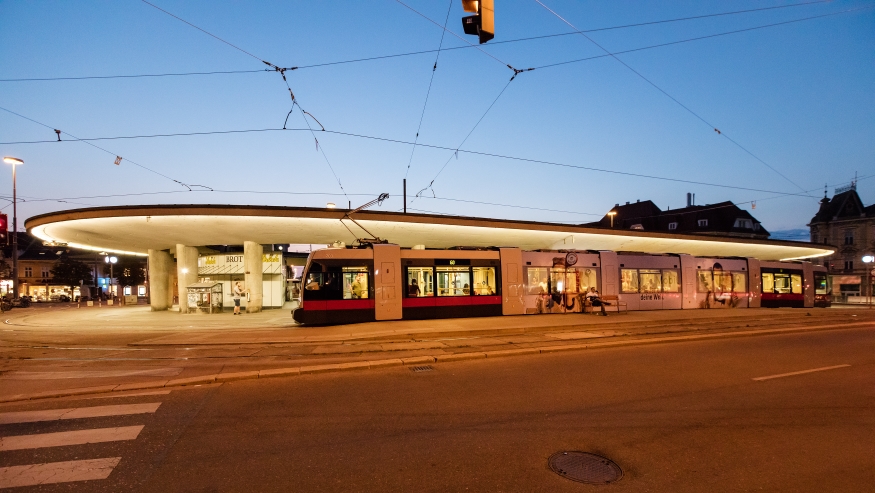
<point>136,229</point>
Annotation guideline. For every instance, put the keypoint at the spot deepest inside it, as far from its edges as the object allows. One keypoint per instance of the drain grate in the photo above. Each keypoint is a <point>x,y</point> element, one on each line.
<point>584,467</point>
<point>417,369</point>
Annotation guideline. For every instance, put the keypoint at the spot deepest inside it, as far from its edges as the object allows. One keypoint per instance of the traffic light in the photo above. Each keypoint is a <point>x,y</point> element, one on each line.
<point>4,229</point>
<point>481,25</point>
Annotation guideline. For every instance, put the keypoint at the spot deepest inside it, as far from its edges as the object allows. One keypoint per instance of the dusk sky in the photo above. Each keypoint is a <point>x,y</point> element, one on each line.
<point>794,104</point>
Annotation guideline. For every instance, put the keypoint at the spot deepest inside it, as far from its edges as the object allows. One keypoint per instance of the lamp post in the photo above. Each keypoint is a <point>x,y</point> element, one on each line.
<point>612,214</point>
<point>870,275</point>
<point>14,161</point>
<point>111,261</point>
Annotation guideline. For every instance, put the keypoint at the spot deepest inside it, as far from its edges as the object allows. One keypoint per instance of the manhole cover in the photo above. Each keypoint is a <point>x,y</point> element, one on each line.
<point>417,369</point>
<point>585,467</point>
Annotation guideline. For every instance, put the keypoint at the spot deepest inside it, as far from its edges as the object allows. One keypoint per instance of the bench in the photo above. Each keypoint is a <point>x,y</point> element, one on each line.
<point>613,303</point>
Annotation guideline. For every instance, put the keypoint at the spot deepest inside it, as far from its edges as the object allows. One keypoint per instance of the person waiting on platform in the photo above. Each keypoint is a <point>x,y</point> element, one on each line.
<point>413,289</point>
<point>595,300</point>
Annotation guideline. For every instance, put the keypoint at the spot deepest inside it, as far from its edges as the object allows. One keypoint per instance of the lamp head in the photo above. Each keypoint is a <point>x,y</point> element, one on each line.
<point>13,160</point>
<point>868,259</point>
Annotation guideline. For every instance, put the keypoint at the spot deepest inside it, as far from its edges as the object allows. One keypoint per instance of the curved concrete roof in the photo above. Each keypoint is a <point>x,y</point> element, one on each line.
<point>136,229</point>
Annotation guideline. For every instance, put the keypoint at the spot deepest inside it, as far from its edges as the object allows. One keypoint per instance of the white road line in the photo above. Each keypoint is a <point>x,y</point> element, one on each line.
<point>77,413</point>
<point>116,396</point>
<point>55,375</point>
<point>800,372</point>
<point>64,438</point>
<point>57,472</point>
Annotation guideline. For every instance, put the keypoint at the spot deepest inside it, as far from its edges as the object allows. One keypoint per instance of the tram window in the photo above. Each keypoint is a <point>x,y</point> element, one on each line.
<point>420,282</point>
<point>355,283</point>
<point>484,281</point>
<point>705,282</point>
<point>322,286</point>
<point>768,282</point>
<point>557,281</point>
<point>585,279</point>
<point>796,283</point>
<point>722,282</point>
<point>650,280</point>
<point>629,280</point>
<point>820,286</point>
<point>670,282</point>
<point>536,280</point>
<point>739,282</point>
<point>453,281</point>
<point>782,283</point>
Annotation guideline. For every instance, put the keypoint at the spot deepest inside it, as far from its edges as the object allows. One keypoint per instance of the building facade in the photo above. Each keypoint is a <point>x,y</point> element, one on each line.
<point>845,222</point>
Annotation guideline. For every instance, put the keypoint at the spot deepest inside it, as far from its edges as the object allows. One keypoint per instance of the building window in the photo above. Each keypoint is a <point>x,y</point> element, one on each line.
<point>813,237</point>
<point>743,223</point>
<point>703,223</point>
<point>672,226</point>
<point>849,237</point>
<point>756,226</point>
<point>45,272</point>
<point>849,265</point>
<point>28,272</point>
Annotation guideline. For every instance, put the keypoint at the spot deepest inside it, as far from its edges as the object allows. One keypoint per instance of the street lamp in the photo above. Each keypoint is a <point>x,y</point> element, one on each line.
<point>612,214</point>
<point>14,161</point>
<point>870,275</point>
<point>111,261</point>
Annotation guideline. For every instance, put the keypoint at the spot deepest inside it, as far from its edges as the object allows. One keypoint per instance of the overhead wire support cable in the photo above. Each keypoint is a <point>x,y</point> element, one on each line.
<point>282,72</point>
<point>639,74</point>
<point>59,132</point>
<point>458,148</point>
<point>493,43</point>
<point>428,92</point>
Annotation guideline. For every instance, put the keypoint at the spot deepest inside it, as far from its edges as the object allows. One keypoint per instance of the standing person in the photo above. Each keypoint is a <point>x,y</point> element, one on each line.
<point>413,289</point>
<point>237,293</point>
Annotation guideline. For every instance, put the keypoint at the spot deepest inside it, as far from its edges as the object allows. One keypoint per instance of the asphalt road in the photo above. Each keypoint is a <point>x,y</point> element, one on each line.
<point>676,417</point>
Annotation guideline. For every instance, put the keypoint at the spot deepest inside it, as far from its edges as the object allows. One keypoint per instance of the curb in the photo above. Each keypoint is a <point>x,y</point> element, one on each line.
<point>412,361</point>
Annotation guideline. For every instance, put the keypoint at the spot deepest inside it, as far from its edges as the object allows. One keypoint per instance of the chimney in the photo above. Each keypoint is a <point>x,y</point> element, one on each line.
<point>689,199</point>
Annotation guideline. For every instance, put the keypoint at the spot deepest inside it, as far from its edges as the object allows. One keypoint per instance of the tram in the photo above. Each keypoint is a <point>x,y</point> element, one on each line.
<point>382,281</point>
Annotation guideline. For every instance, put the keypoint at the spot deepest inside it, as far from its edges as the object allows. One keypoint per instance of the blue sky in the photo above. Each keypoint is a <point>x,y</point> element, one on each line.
<point>799,96</point>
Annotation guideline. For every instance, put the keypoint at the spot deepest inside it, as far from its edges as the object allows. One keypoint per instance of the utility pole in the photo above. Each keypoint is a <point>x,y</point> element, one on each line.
<point>405,195</point>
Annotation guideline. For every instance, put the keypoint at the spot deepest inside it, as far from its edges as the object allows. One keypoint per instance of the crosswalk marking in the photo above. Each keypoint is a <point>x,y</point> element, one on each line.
<point>77,413</point>
<point>64,438</point>
<point>57,472</point>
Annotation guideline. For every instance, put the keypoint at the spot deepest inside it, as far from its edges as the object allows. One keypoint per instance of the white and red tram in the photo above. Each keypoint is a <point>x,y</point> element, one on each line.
<point>386,282</point>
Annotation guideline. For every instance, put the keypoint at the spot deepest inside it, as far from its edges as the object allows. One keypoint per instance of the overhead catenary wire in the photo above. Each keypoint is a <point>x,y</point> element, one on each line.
<point>277,69</point>
<point>438,147</point>
<point>428,92</point>
<point>421,52</point>
<point>59,132</point>
<point>456,151</point>
<point>687,108</point>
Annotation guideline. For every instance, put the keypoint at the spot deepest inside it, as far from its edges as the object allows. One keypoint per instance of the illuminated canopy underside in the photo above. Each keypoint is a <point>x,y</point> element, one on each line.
<point>136,229</point>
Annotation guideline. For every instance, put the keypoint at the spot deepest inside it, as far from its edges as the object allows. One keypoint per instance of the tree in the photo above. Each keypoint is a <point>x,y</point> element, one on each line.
<point>130,271</point>
<point>71,272</point>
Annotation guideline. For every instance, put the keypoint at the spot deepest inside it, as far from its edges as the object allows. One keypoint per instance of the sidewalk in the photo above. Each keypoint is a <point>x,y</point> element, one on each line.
<point>61,351</point>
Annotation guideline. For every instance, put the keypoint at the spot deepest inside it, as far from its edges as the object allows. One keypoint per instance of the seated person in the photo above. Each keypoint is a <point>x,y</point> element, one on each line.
<point>413,289</point>
<point>594,299</point>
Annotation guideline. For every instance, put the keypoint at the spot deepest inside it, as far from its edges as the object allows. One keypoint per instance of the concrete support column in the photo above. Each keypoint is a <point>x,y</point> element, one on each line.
<point>253,267</point>
<point>186,273</point>
<point>160,280</point>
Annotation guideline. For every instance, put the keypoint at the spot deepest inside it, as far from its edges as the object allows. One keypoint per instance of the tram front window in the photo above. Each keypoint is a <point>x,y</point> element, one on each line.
<point>650,280</point>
